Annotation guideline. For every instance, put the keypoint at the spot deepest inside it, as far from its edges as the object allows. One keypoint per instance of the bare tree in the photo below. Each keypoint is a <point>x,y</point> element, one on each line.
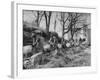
<point>37,19</point>
<point>63,21</point>
<point>38,15</point>
<point>76,18</point>
<point>73,20</point>
<point>47,16</point>
<point>69,22</point>
<point>55,25</point>
<point>55,22</point>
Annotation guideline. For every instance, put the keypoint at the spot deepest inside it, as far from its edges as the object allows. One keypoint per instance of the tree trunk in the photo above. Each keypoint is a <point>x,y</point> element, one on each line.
<point>55,26</point>
<point>37,20</point>
<point>47,18</point>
